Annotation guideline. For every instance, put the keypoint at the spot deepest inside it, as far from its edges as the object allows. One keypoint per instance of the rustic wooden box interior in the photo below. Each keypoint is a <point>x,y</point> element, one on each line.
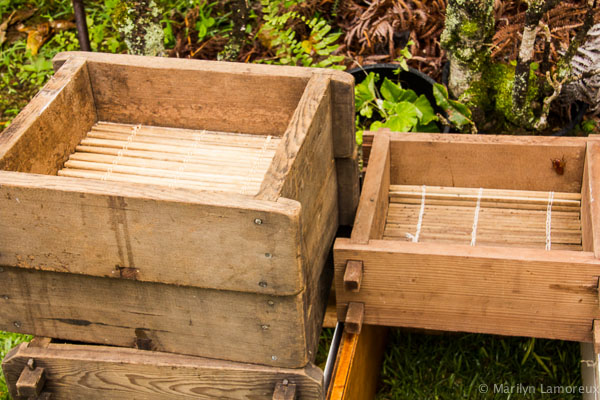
<point>226,265</point>
<point>507,282</point>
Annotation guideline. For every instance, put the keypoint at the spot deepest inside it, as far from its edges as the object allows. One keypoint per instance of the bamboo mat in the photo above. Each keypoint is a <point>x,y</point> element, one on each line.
<point>215,161</point>
<point>513,218</point>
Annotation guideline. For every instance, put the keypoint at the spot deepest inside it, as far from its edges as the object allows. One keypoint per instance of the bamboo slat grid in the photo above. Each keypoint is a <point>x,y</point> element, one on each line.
<point>514,218</point>
<point>216,161</point>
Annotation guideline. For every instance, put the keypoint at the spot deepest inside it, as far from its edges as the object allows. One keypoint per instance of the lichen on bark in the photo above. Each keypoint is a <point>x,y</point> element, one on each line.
<point>467,37</point>
<point>138,21</point>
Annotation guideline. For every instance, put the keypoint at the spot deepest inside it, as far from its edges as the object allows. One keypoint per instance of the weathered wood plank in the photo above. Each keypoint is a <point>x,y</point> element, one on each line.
<point>358,364</point>
<point>101,372</point>
<point>349,190</point>
<point>305,126</point>
<point>42,136</point>
<point>508,291</point>
<point>162,234</point>
<point>235,326</point>
<point>590,208</point>
<point>497,162</point>
<point>267,95</point>
<point>374,199</point>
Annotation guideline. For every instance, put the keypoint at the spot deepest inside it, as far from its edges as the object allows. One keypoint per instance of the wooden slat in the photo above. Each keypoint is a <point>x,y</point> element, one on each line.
<point>372,209</point>
<point>244,98</point>
<point>499,162</point>
<point>244,327</point>
<point>46,131</point>
<point>171,235</point>
<point>348,185</point>
<point>102,372</point>
<point>523,292</point>
<point>357,365</point>
<point>590,192</point>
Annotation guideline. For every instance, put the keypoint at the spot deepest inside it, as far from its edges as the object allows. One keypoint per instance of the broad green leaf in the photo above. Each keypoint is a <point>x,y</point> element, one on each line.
<point>458,113</point>
<point>364,92</point>
<point>427,112</point>
<point>394,92</point>
<point>404,120</point>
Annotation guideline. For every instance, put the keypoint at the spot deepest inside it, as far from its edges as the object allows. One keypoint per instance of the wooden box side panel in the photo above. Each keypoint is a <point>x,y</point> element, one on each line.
<point>473,289</point>
<point>236,326</point>
<point>497,162</point>
<point>284,79</point>
<point>100,372</point>
<point>304,170</point>
<point>150,233</point>
<point>46,131</point>
<point>590,193</point>
<point>374,199</point>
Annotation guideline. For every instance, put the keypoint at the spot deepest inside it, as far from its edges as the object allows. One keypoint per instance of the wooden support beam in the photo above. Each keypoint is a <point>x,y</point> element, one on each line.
<point>354,317</point>
<point>285,391</point>
<point>31,381</point>
<point>353,275</point>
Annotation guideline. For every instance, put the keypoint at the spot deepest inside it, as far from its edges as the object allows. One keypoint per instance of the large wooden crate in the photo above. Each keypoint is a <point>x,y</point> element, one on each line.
<point>176,205</point>
<point>485,234</point>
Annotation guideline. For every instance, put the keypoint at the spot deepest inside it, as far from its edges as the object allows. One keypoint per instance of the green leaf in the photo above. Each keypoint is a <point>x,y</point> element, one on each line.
<point>427,112</point>
<point>394,92</point>
<point>429,128</point>
<point>405,119</point>
<point>364,92</point>
<point>458,113</point>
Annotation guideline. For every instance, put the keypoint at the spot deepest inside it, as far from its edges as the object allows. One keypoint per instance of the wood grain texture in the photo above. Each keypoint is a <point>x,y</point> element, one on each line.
<point>496,162</point>
<point>46,131</point>
<point>374,200</point>
<point>349,190</point>
<point>168,235</point>
<point>236,326</point>
<point>101,372</point>
<point>508,291</point>
<point>596,336</point>
<point>266,94</point>
<point>355,314</point>
<point>353,275</point>
<point>305,125</point>
<point>358,364</point>
<point>590,208</point>
<point>285,391</point>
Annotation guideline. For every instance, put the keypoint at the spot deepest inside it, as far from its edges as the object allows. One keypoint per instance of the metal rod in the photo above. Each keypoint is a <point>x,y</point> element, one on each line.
<point>82,30</point>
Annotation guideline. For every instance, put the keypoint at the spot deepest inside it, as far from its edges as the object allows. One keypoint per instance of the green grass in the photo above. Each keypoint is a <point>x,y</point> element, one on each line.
<point>455,366</point>
<point>8,341</point>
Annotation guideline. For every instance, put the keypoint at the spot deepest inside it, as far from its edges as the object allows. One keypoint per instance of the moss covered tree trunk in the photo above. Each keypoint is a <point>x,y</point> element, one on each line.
<point>138,21</point>
<point>467,38</point>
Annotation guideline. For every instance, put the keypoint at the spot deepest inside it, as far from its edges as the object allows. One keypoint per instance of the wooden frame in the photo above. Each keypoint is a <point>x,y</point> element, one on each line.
<point>487,289</point>
<point>252,264</point>
<point>99,372</point>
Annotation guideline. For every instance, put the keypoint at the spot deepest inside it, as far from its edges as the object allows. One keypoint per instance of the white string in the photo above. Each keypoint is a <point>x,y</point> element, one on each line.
<point>476,217</point>
<point>415,237</point>
<point>256,165</point>
<point>120,153</point>
<point>549,221</point>
<point>186,159</point>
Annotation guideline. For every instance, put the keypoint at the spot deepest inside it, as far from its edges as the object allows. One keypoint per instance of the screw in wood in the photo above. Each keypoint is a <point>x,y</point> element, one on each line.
<point>274,358</point>
<point>271,303</point>
<point>264,327</point>
<point>285,382</point>
<point>17,324</point>
<point>5,297</point>
<point>262,284</point>
<point>258,221</point>
<point>268,255</point>
<point>31,364</point>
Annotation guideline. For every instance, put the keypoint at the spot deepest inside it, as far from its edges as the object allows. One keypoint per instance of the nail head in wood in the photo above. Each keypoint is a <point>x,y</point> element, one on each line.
<point>354,317</point>
<point>596,336</point>
<point>353,275</point>
<point>284,391</point>
<point>31,381</point>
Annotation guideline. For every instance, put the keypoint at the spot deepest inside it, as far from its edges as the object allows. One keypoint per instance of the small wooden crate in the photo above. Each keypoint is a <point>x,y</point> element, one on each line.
<point>176,205</point>
<point>485,234</point>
